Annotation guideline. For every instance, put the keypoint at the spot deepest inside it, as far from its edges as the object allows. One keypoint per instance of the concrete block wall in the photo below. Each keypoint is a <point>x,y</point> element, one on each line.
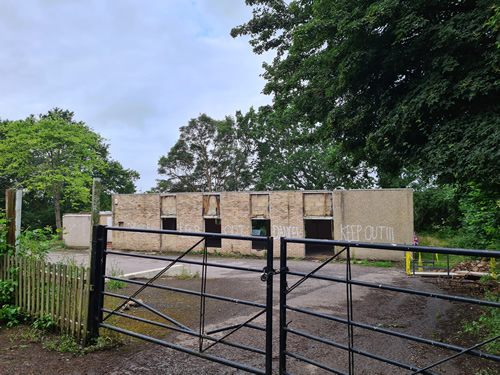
<point>136,211</point>
<point>384,216</point>
<point>318,204</point>
<point>235,219</point>
<point>76,232</point>
<point>168,205</point>
<point>189,207</point>
<point>377,216</point>
<point>287,220</point>
<point>259,206</point>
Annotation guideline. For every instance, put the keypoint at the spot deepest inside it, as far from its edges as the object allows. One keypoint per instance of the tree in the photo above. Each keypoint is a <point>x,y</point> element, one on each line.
<point>210,155</point>
<point>395,84</point>
<point>55,158</point>
<point>115,179</point>
<point>285,158</point>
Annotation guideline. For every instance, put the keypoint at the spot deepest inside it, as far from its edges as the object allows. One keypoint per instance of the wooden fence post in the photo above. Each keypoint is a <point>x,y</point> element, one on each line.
<point>10,215</point>
<point>19,208</point>
<point>96,206</point>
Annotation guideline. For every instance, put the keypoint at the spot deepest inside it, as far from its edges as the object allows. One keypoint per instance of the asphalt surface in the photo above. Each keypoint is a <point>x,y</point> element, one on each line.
<point>133,266</point>
<point>405,313</point>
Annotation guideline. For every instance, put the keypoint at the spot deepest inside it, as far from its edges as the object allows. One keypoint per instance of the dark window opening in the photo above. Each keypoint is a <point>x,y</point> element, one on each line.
<point>321,230</point>
<point>169,223</point>
<point>120,223</point>
<point>213,226</point>
<point>260,228</point>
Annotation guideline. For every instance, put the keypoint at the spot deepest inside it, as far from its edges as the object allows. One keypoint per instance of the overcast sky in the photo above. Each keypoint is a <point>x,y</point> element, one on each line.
<point>134,71</point>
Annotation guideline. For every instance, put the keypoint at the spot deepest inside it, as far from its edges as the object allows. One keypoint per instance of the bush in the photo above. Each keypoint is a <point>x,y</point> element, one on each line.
<point>33,244</point>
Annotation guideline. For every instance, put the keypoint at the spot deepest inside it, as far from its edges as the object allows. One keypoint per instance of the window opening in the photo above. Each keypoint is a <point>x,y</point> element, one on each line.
<point>211,205</point>
<point>260,227</point>
<point>169,223</point>
<point>213,226</point>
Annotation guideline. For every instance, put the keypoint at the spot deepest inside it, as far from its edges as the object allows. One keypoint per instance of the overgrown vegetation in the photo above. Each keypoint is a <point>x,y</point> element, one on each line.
<point>41,331</point>
<point>115,284</point>
<point>487,326</point>
<point>186,275</point>
<point>33,245</point>
<point>373,263</point>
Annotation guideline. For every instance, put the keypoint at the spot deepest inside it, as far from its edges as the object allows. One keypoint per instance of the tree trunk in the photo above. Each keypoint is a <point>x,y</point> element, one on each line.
<point>56,194</point>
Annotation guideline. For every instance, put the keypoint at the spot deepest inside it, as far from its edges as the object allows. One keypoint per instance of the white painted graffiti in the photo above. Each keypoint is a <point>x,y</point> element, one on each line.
<point>283,231</point>
<point>239,230</point>
<point>367,233</point>
<point>189,228</point>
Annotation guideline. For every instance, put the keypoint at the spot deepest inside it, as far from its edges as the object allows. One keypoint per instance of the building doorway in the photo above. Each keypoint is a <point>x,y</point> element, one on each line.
<point>320,229</point>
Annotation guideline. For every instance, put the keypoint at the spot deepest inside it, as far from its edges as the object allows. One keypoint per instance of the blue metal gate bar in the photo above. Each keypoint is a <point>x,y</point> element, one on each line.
<point>98,266</point>
<point>284,291</point>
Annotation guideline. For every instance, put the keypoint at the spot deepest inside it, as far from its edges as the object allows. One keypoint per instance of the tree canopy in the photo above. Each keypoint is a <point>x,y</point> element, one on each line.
<point>55,158</point>
<point>210,155</point>
<point>392,83</point>
<point>285,158</point>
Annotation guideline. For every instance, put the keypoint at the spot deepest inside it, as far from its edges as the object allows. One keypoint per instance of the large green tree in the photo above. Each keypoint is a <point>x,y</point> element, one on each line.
<point>210,155</point>
<point>393,83</point>
<point>55,158</point>
<point>286,158</point>
<point>115,179</point>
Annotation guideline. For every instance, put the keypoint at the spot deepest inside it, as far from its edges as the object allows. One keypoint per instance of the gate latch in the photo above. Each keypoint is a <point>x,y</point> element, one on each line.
<point>266,273</point>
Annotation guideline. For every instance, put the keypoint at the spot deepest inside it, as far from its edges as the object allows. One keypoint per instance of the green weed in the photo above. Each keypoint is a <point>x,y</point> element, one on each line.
<point>116,284</point>
<point>186,275</point>
<point>63,344</point>
<point>370,263</point>
<point>487,325</point>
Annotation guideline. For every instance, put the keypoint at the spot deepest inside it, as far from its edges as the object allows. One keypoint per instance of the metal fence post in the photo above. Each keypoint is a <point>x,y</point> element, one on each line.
<point>97,271</point>
<point>283,290</point>
<point>269,308</point>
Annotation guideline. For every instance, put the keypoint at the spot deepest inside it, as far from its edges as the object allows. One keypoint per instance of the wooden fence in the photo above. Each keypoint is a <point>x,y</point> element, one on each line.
<point>55,290</point>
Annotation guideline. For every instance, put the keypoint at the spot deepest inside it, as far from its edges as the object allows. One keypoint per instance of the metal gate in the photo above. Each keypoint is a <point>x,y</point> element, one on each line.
<point>345,350</point>
<point>344,353</point>
<point>260,320</point>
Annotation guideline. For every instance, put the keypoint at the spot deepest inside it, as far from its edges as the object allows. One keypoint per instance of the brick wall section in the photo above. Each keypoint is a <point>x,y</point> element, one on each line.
<point>378,216</point>
<point>189,219</point>
<point>235,214</point>
<point>259,206</point>
<point>318,204</point>
<point>168,205</point>
<point>136,211</point>
<point>287,220</point>
<point>384,216</point>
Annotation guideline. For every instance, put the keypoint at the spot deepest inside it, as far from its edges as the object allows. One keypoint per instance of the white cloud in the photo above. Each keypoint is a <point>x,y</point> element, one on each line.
<point>134,71</point>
